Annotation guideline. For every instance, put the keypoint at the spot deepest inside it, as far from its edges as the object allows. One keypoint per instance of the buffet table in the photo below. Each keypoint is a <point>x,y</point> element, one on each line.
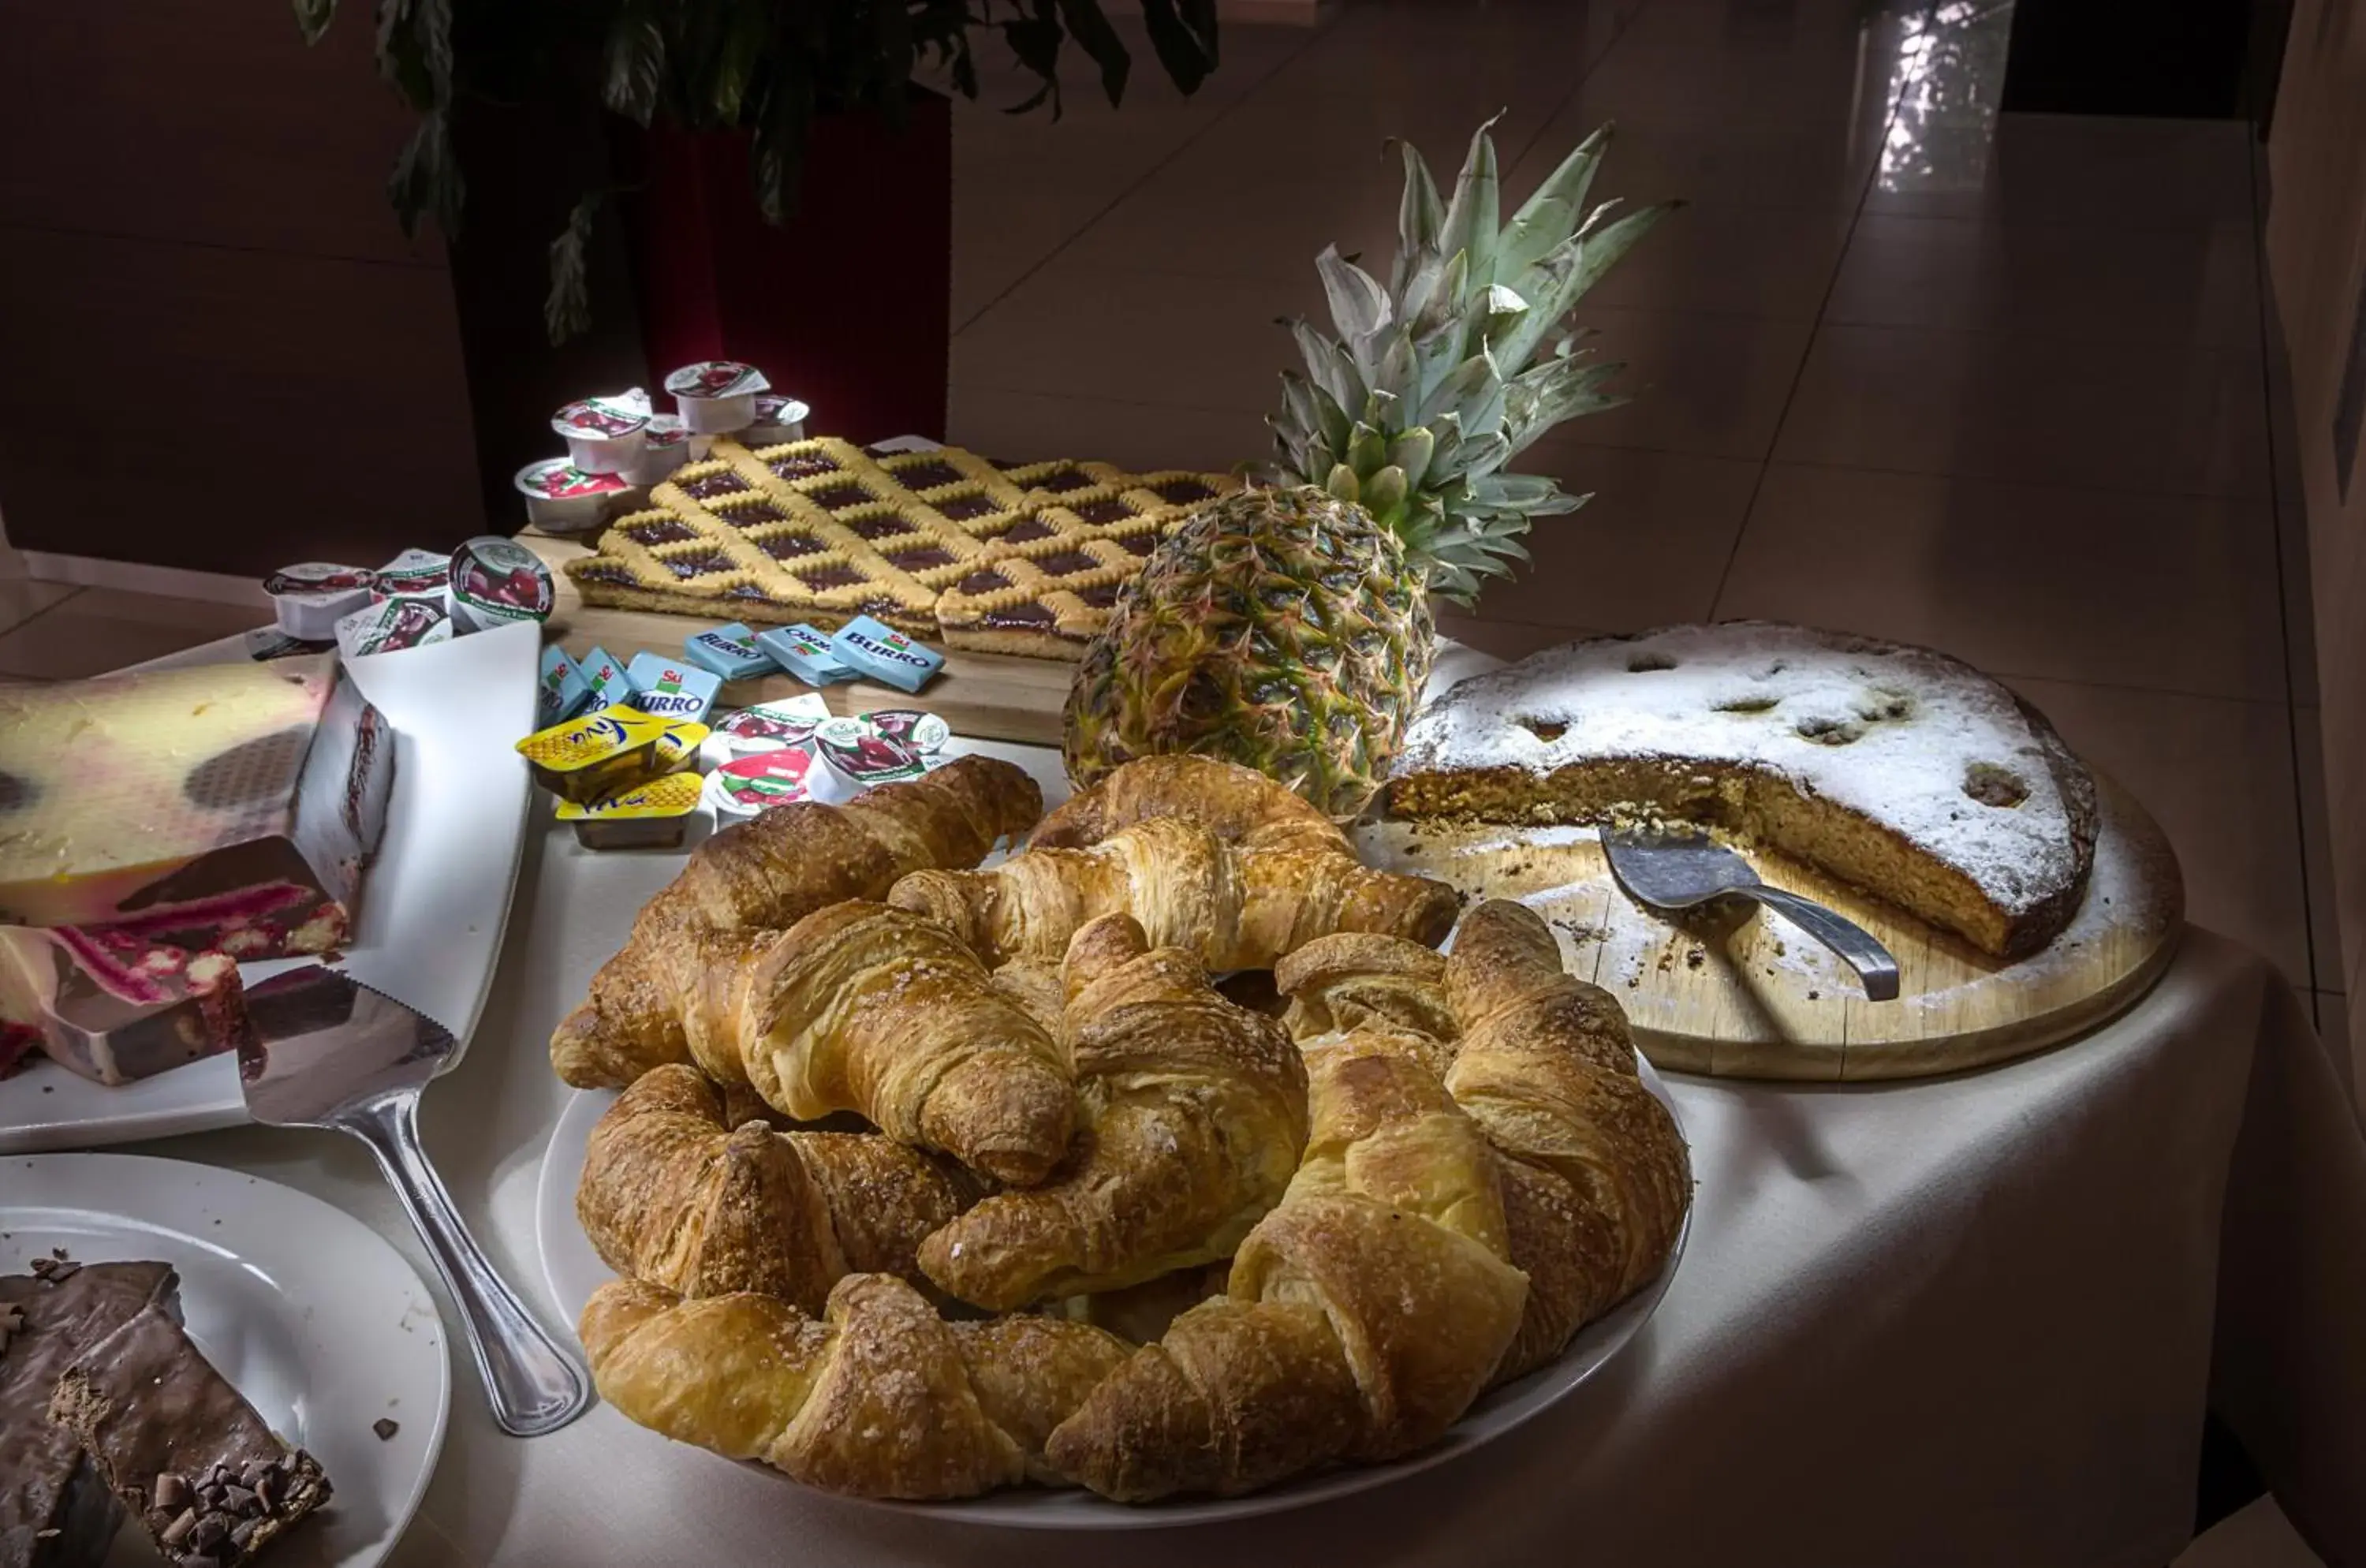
<point>1971,1320</point>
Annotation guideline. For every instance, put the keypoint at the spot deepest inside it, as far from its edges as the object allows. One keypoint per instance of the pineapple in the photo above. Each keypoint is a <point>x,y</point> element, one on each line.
<point>1289,627</point>
<point>1278,627</point>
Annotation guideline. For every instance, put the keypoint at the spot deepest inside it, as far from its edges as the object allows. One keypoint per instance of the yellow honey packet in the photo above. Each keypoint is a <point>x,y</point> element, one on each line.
<point>651,814</point>
<point>588,757</point>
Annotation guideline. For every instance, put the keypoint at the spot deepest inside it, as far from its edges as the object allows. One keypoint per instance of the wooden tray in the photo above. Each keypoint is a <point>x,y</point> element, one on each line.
<point>1739,993</point>
<point>990,696</point>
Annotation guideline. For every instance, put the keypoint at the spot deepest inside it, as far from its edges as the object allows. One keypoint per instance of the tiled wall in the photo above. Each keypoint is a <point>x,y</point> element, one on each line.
<point>216,350</point>
<point>2316,256</point>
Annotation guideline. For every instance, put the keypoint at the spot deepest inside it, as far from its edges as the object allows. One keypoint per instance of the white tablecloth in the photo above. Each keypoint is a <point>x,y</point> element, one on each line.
<point>1964,1321</point>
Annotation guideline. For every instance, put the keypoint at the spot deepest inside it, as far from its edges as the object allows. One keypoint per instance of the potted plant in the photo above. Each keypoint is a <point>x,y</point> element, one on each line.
<point>784,185</point>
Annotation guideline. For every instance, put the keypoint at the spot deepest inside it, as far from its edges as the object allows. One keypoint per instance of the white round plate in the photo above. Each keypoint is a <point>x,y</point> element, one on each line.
<point>306,1310</point>
<point>573,1271</point>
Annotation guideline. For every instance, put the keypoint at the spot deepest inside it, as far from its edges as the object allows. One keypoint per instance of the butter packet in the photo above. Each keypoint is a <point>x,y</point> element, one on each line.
<point>805,654</point>
<point>563,691</point>
<point>651,815</point>
<point>586,759</point>
<point>611,687</point>
<point>874,649</point>
<point>673,688</point>
<point>730,652</point>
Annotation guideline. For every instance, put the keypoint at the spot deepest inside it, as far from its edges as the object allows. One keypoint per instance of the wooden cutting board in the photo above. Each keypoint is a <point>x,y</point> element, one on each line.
<point>1740,993</point>
<point>988,695</point>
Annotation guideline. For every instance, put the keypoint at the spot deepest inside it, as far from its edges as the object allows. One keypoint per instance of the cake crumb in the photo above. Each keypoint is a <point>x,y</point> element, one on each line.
<point>386,1427</point>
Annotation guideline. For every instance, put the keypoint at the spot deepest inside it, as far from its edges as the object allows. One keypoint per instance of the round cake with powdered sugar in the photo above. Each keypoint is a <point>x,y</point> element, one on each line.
<point>1900,770</point>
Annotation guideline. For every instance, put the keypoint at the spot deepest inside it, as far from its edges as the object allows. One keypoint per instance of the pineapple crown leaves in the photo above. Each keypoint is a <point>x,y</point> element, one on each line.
<point>1429,385</point>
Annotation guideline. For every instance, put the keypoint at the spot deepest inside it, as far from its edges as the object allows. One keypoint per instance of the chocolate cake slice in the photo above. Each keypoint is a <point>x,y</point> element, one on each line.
<point>183,1449</point>
<point>56,1510</point>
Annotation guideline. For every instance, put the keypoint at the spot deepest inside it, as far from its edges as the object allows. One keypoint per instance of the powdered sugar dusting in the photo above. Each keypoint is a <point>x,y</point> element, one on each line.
<point>1917,742</point>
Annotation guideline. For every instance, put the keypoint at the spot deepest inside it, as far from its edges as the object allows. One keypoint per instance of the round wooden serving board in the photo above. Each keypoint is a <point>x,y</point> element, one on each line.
<point>1736,992</point>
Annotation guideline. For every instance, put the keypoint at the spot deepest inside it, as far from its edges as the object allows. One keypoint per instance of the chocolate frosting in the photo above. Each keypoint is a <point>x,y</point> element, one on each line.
<point>45,1484</point>
<point>146,1404</point>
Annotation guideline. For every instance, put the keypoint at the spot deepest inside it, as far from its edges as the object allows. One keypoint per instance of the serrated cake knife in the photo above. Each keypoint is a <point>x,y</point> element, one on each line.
<point>329,1052</point>
<point>1675,866</point>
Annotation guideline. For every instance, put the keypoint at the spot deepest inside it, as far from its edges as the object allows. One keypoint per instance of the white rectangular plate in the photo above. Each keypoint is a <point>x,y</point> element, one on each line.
<point>432,907</point>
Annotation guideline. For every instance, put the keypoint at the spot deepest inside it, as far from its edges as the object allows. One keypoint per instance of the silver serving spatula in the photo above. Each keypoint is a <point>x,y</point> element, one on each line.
<point>1677,866</point>
<point>327,1051</point>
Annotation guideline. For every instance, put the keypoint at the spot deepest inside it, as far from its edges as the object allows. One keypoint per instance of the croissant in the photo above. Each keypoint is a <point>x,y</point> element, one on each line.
<point>1597,1178</point>
<point>1594,1174</point>
<point>1362,1315</point>
<point>861,1007</point>
<point>1239,805</point>
<point>880,1398</point>
<point>1238,906</point>
<point>1194,1113</point>
<point>674,1195</point>
<point>772,871</point>
<point>1354,978</point>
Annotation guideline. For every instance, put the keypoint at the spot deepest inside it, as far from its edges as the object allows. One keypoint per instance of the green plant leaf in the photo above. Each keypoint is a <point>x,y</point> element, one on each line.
<point>1396,364</point>
<point>1359,306</point>
<point>313,16</point>
<point>1551,215</point>
<point>1367,449</point>
<point>1512,493</point>
<point>1470,218</point>
<point>1342,483</point>
<point>1421,218</point>
<point>1329,365</point>
<point>892,28</point>
<point>1468,393</point>
<point>1384,493</point>
<point>779,150</point>
<point>409,50</point>
<point>1554,283</point>
<point>633,65</point>
<point>1331,422</point>
<point>1185,41</point>
<point>1410,453</point>
<point>1444,304</point>
<point>1098,40</point>
<point>566,308</point>
<point>426,180</point>
<point>1034,39</point>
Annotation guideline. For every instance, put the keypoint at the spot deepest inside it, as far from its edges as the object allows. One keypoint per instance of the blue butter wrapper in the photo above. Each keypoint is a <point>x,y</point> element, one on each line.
<point>611,687</point>
<point>674,688</point>
<point>564,691</point>
<point>730,652</point>
<point>880,651</point>
<point>805,654</point>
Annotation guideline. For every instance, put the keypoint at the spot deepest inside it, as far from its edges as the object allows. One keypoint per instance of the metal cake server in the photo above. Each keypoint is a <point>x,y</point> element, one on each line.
<point>1677,866</point>
<point>327,1051</point>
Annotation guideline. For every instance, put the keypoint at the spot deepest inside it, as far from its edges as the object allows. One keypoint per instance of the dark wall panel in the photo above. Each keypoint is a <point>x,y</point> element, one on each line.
<point>217,349</point>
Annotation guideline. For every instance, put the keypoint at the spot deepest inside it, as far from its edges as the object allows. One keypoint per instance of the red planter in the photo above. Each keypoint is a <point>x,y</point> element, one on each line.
<point>846,305</point>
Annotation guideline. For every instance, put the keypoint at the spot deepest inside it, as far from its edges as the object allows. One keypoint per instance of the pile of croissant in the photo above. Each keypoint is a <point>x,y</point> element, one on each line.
<point>927,1181</point>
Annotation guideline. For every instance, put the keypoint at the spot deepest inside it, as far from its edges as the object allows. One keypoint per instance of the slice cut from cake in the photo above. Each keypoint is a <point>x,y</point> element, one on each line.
<point>113,1007</point>
<point>1904,772</point>
<point>182,1449</point>
<point>56,1510</point>
<point>224,806</point>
